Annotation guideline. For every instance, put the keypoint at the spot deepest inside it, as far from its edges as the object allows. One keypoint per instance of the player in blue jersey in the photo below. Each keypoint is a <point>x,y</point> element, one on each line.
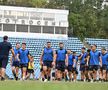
<point>83,64</point>
<point>15,63</point>
<point>107,68</point>
<point>104,56</point>
<point>46,61</point>
<point>24,57</point>
<point>71,65</point>
<point>61,60</point>
<point>95,62</point>
<point>76,66</point>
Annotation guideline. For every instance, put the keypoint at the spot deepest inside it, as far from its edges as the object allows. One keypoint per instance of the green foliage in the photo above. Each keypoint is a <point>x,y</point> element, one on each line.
<point>88,19</point>
<point>38,3</point>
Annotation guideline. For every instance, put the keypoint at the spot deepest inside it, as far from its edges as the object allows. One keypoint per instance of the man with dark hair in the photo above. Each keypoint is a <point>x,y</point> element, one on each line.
<point>46,60</point>
<point>95,62</point>
<point>82,57</point>
<point>76,71</point>
<point>104,56</point>
<point>15,62</point>
<point>5,47</point>
<point>61,60</point>
<point>24,57</point>
<point>71,68</point>
<point>107,69</point>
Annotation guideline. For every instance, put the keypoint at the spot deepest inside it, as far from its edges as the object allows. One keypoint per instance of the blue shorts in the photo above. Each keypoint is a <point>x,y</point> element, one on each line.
<point>15,63</point>
<point>60,65</point>
<point>93,67</point>
<point>107,68</point>
<point>83,67</point>
<point>71,69</point>
<point>47,63</point>
<point>104,67</point>
<point>23,65</point>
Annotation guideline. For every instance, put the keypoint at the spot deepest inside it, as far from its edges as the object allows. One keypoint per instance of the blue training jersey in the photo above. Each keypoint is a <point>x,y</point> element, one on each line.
<point>61,54</point>
<point>23,56</point>
<point>104,58</point>
<point>48,54</point>
<point>82,61</point>
<point>94,57</point>
<point>16,52</point>
<point>70,59</point>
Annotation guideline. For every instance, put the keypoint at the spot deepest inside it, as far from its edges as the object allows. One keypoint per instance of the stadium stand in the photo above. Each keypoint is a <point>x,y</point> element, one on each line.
<point>99,42</point>
<point>35,47</point>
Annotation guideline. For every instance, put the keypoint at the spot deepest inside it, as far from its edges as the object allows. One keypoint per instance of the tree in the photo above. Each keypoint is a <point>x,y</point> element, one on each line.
<point>39,3</point>
<point>87,18</point>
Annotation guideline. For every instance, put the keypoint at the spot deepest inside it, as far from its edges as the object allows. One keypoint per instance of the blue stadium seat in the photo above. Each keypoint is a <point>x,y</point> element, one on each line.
<point>99,42</point>
<point>36,45</point>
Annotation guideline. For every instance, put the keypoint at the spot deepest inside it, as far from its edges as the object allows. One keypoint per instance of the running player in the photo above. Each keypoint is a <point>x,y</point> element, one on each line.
<point>5,47</point>
<point>76,66</point>
<point>94,62</point>
<point>61,60</point>
<point>46,60</point>
<point>71,65</point>
<point>15,63</point>
<point>82,57</point>
<point>104,56</point>
<point>24,57</point>
<point>107,70</point>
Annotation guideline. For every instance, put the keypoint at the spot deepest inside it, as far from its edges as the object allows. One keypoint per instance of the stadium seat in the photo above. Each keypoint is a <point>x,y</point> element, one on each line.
<point>35,47</point>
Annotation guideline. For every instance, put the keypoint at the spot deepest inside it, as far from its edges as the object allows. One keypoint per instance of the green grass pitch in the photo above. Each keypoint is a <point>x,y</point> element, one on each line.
<point>37,85</point>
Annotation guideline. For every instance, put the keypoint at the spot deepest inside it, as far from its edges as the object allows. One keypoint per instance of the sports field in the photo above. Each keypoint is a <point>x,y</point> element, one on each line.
<point>37,85</point>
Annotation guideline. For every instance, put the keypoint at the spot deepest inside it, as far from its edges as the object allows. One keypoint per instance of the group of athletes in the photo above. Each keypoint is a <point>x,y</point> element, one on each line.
<point>93,64</point>
<point>60,64</point>
<point>21,58</point>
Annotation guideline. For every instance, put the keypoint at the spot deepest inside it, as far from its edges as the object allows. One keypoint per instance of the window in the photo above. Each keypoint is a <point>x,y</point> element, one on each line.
<point>48,29</point>
<point>35,29</point>
<point>60,30</point>
<point>9,27</point>
<point>22,28</point>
